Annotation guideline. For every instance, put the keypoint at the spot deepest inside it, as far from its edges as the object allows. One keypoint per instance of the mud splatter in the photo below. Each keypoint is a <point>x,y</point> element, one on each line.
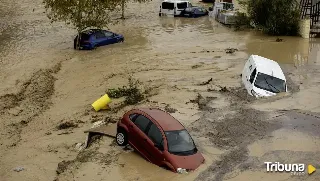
<point>67,125</point>
<point>32,99</point>
<point>234,130</point>
<point>92,154</point>
<point>225,165</point>
<point>202,102</point>
<point>169,109</point>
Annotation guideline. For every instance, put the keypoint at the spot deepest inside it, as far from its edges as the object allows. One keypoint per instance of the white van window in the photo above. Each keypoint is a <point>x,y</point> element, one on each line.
<point>182,5</point>
<point>166,5</point>
<point>270,83</point>
<point>253,75</point>
<point>227,6</point>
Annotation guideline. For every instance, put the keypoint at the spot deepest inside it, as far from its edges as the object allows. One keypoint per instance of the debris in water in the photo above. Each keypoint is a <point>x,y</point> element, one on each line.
<point>62,166</point>
<point>18,169</point>
<point>109,119</point>
<point>66,132</point>
<point>66,125</point>
<point>196,66</point>
<point>127,148</point>
<point>93,138</point>
<point>231,50</point>
<point>206,82</point>
<point>169,109</point>
<point>98,123</point>
<point>102,103</point>
<point>95,118</point>
<point>132,93</point>
<point>279,40</point>
<point>202,102</point>
<point>79,146</point>
<point>224,89</point>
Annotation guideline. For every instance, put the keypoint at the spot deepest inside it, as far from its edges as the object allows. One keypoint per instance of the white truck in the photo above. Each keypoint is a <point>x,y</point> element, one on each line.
<point>223,12</point>
<point>173,8</point>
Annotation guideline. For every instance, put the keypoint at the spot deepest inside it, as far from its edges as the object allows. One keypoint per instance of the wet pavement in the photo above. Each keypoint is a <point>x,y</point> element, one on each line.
<point>173,56</point>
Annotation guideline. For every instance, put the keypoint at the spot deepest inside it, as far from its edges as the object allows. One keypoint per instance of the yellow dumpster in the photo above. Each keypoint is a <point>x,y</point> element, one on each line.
<point>101,103</point>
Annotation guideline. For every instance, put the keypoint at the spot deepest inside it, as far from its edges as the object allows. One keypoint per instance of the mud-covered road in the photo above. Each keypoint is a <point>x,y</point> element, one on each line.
<point>44,83</point>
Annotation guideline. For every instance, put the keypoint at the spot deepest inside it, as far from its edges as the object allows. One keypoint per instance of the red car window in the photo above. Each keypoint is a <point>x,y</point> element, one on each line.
<point>142,122</point>
<point>133,117</point>
<point>155,135</point>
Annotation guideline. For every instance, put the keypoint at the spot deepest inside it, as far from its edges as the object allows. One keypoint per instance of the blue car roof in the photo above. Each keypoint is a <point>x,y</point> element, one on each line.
<point>92,31</point>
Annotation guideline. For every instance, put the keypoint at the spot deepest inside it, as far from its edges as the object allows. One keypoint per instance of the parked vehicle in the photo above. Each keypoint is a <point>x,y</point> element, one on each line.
<point>160,139</point>
<point>194,12</point>
<point>208,1</point>
<point>223,12</point>
<point>263,77</point>
<point>93,38</point>
<point>173,8</point>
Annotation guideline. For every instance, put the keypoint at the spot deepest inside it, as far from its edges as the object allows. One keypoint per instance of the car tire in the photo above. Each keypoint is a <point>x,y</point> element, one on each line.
<point>122,138</point>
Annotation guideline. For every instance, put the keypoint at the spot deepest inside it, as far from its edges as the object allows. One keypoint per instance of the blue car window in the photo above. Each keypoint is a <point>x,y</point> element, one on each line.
<point>108,34</point>
<point>99,35</point>
<point>84,37</point>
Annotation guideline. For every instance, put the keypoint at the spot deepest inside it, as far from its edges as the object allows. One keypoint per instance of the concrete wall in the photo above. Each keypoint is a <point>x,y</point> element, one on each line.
<point>304,28</point>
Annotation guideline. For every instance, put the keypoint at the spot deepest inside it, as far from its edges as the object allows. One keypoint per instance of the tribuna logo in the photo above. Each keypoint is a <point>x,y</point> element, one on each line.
<point>295,169</point>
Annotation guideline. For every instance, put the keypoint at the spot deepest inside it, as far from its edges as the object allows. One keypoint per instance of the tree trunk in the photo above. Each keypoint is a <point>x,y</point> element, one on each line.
<point>122,8</point>
<point>78,41</point>
<point>79,24</point>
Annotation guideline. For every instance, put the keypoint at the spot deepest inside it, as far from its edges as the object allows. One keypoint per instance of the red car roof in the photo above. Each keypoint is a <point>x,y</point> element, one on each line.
<point>164,119</point>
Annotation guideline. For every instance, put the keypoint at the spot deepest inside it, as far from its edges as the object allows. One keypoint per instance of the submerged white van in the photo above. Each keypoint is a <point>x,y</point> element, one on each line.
<point>263,77</point>
<point>173,7</point>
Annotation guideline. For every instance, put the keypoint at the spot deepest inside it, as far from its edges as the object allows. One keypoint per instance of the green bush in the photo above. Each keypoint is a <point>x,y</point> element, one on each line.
<point>132,93</point>
<point>274,17</point>
<point>241,20</point>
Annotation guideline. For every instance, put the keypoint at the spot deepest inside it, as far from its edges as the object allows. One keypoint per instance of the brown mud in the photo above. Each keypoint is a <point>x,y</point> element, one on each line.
<point>190,67</point>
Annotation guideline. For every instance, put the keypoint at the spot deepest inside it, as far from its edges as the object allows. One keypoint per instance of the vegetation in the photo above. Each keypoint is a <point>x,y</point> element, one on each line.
<point>81,14</point>
<point>124,4</point>
<point>274,17</point>
<point>132,93</point>
<point>242,21</point>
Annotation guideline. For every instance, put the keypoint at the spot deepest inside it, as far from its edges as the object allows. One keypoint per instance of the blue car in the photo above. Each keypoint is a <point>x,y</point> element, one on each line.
<point>93,38</point>
<point>194,12</point>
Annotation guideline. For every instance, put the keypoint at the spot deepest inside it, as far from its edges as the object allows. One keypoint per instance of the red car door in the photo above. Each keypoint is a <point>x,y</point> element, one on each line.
<point>153,143</point>
<point>132,128</point>
<point>138,135</point>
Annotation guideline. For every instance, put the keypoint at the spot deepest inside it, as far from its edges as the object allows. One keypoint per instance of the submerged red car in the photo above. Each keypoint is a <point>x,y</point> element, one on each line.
<point>159,138</point>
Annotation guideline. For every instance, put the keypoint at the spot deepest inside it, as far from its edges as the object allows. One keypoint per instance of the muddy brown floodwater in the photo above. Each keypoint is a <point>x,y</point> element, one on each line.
<point>44,83</point>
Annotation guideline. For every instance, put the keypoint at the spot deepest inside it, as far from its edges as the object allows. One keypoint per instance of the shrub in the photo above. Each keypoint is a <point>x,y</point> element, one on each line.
<point>132,93</point>
<point>241,20</point>
<point>274,17</point>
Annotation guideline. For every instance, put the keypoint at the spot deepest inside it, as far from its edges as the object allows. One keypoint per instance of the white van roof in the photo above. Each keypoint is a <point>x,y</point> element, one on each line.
<point>267,66</point>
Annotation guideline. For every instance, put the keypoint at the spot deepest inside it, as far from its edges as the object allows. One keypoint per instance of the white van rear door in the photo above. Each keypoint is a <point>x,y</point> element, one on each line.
<point>180,7</point>
<point>167,8</point>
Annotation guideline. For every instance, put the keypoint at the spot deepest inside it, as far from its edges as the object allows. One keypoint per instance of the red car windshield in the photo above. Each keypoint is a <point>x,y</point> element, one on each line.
<point>180,142</point>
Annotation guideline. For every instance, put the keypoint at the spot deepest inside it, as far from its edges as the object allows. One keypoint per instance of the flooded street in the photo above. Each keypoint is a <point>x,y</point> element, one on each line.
<point>45,82</point>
